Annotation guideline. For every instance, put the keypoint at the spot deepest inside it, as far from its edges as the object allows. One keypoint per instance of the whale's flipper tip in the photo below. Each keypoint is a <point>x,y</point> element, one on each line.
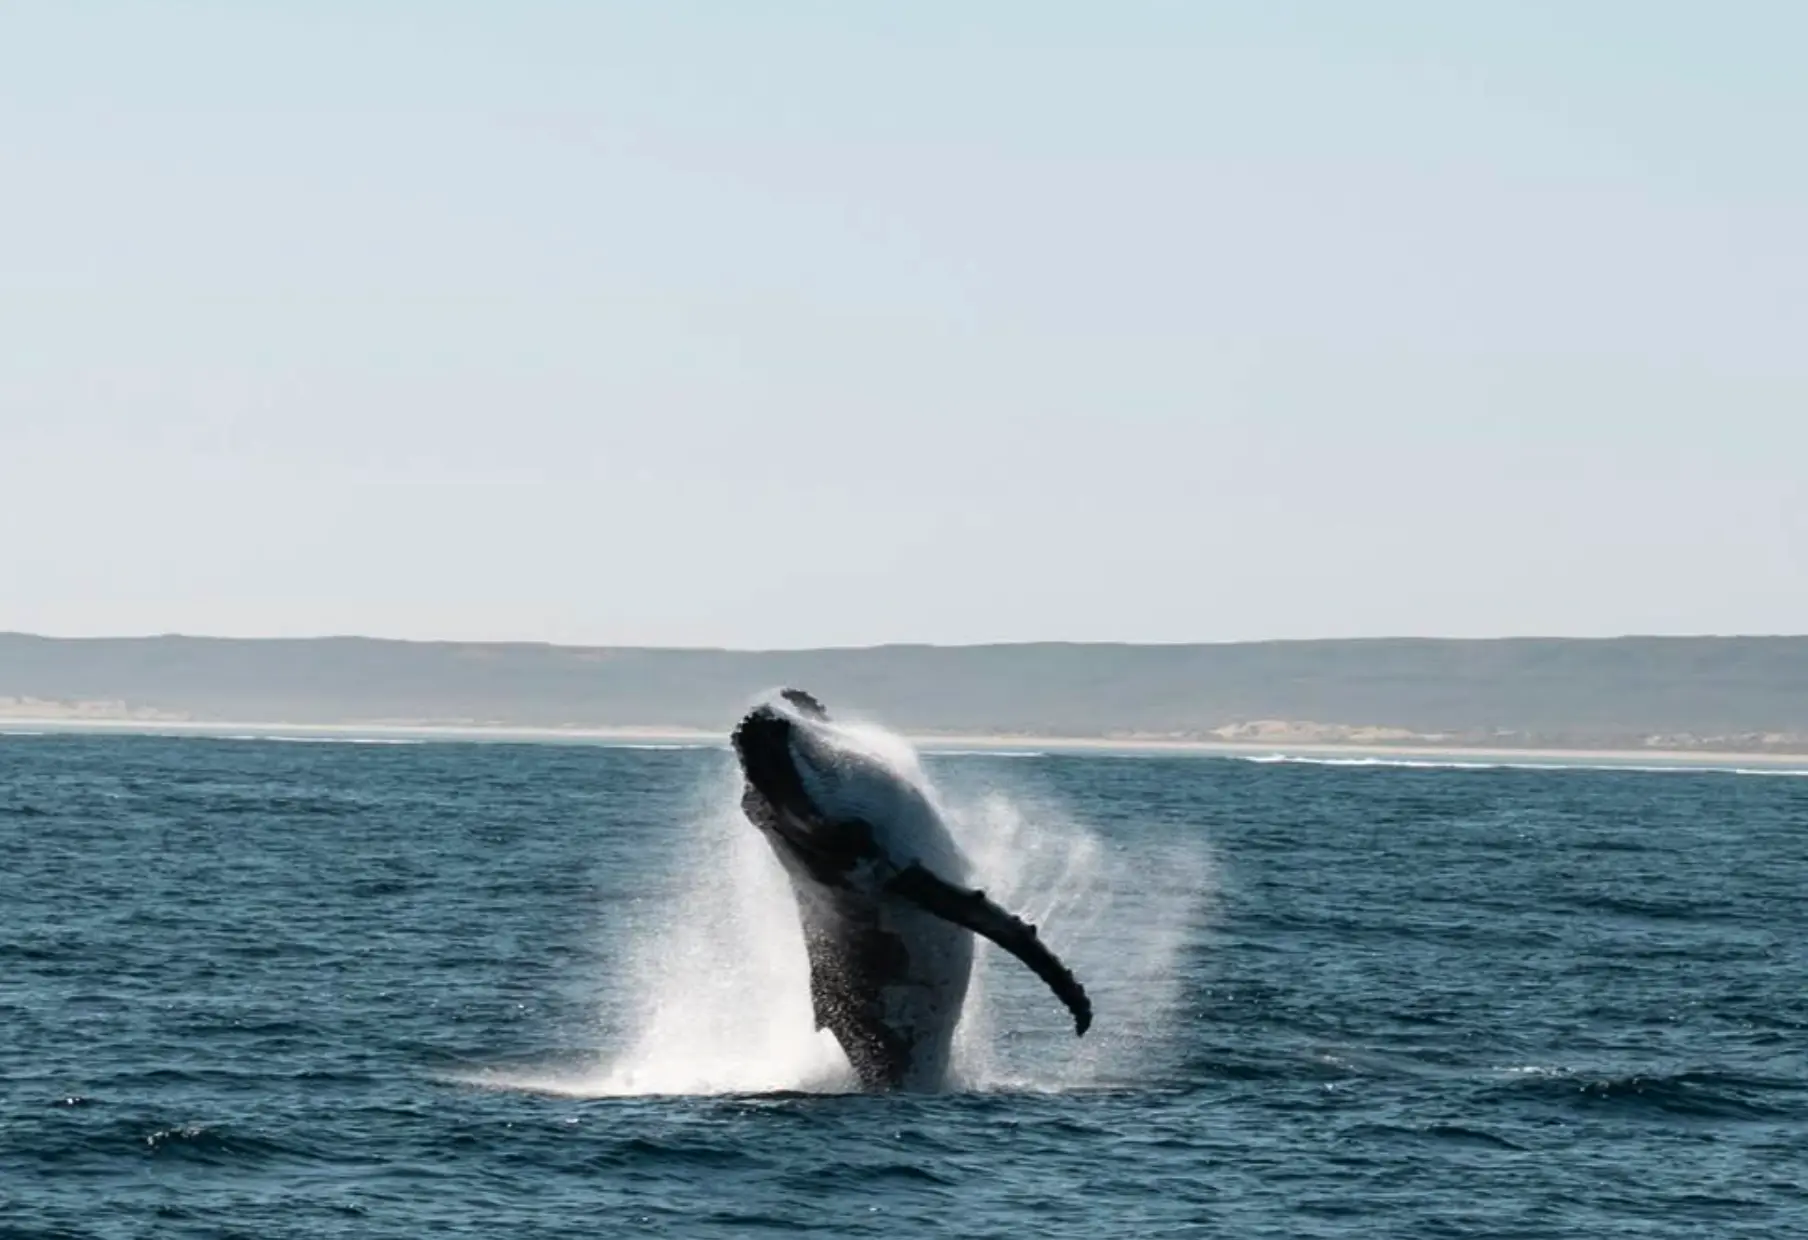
<point>971,909</point>
<point>1071,993</point>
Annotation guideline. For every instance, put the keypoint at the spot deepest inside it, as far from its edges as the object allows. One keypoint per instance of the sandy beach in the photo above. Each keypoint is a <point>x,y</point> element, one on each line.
<point>927,742</point>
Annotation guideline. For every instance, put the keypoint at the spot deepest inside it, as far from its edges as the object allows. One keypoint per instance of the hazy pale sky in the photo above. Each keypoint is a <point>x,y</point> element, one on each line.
<point>786,324</point>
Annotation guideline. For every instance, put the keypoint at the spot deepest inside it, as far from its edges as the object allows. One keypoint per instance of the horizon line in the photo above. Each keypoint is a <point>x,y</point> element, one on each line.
<point>827,648</point>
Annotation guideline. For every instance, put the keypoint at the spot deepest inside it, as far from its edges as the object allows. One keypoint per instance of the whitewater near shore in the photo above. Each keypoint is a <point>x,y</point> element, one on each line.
<point>994,743</point>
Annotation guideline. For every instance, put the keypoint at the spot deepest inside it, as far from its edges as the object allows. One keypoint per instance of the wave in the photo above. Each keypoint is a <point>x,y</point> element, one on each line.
<point>1272,759</point>
<point>1462,764</point>
<point>280,739</point>
<point>218,1144</point>
<point>1706,1094</point>
<point>930,751</point>
<point>1435,1133</point>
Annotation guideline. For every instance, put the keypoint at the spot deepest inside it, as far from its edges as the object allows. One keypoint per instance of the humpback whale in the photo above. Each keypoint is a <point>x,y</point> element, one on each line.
<point>888,923</point>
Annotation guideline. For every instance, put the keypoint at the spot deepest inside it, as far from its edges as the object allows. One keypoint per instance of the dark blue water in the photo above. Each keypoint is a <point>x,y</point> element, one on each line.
<point>253,988</point>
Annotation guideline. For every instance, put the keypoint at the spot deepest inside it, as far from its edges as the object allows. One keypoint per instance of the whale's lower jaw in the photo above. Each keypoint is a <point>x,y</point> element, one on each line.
<point>762,745</point>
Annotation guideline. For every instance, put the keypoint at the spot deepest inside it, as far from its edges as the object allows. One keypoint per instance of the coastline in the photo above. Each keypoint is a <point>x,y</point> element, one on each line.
<point>1000,743</point>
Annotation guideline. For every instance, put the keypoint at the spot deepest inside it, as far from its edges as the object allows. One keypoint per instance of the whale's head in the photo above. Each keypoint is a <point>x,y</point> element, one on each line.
<point>776,743</point>
<point>822,789</point>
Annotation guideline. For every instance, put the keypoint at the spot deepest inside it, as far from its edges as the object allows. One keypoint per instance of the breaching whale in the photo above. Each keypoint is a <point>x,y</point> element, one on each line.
<point>878,881</point>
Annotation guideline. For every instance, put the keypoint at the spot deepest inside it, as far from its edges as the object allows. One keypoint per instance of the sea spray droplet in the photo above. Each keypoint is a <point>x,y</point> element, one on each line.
<point>716,995</point>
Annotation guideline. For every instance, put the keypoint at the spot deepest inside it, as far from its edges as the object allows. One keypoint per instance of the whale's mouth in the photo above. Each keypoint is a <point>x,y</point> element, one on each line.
<point>762,742</point>
<point>782,758</point>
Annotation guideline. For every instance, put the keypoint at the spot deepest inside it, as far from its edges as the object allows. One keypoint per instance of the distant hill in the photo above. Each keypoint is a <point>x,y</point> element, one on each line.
<point>1723,692</point>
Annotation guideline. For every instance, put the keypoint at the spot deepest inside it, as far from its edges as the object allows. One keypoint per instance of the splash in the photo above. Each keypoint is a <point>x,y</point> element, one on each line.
<point>1119,911</point>
<point>718,983</point>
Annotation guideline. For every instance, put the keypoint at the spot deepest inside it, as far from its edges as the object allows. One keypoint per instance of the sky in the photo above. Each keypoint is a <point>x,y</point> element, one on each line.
<point>799,324</point>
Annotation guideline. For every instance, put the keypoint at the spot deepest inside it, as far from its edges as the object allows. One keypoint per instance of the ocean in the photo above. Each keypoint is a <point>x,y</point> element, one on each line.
<point>263,988</point>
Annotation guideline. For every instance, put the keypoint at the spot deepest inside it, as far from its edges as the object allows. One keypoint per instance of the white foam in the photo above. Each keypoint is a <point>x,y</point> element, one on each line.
<point>1454,764</point>
<point>1425,763</point>
<point>712,989</point>
<point>985,753</point>
<point>277,738</point>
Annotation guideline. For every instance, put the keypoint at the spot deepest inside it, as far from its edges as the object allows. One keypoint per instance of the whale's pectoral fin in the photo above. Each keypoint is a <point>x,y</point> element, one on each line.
<point>971,909</point>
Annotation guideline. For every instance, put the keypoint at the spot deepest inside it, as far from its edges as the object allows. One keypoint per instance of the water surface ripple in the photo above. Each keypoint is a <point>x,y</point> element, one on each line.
<point>250,988</point>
